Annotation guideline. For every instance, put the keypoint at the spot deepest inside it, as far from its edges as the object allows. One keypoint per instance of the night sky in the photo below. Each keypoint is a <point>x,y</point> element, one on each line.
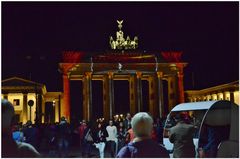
<point>207,33</point>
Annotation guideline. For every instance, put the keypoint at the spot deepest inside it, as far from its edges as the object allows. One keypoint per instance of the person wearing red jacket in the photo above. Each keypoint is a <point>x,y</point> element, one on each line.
<point>81,129</point>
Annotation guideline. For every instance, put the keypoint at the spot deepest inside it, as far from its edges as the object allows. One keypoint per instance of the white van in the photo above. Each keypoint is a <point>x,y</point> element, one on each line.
<point>223,114</point>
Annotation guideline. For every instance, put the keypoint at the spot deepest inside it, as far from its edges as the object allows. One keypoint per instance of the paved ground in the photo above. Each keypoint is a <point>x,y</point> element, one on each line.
<point>74,152</point>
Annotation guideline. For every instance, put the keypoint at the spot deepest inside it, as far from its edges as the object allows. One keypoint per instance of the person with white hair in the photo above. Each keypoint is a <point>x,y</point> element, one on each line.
<point>11,148</point>
<point>142,146</point>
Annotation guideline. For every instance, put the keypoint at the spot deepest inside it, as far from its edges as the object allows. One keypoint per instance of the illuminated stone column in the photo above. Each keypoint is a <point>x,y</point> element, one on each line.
<point>59,106</point>
<point>153,95</point>
<point>232,96</point>
<point>87,96</point>
<point>160,94</point>
<point>214,96</point>
<point>236,97</point>
<point>195,99</point>
<point>191,99</point>
<point>208,97</point>
<point>172,92</point>
<point>106,105</point>
<point>139,91</point>
<point>180,87</point>
<point>133,93</point>
<point>90,95</point>
<point>39,108</point>
<point>25,113</point>
<point>84,89</point>
<point>56,111</point>
<point>224,96</point>
<point>66,97</point>
<point>219,96</point>
<point>108,96</point>
<point>111,94</point>
<point>205,98</point>
<point>227,95</point>
<point>43,110</point>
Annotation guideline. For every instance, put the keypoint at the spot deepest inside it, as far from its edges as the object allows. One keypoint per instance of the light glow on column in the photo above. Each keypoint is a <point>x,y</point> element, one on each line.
<point>236,97</point>
<point>220,96</point>
<point>214,96</point>
<point>227,95</point>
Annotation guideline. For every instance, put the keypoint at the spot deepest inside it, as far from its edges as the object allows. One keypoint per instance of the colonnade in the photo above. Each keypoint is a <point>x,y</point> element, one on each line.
<point>232,96</point>
<point>156,101</point>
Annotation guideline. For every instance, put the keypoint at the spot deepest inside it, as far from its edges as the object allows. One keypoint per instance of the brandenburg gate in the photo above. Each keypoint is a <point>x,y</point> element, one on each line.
<point>124,62</point>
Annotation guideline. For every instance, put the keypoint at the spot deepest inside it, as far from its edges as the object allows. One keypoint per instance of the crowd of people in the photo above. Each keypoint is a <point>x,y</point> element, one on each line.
<point>57,138</point>
<point>137,136</point>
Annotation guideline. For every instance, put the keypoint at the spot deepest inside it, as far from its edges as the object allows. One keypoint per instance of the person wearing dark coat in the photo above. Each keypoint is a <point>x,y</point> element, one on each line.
<point>181,135</point>
<point>63,137</point>
<point>87,140</point>
<point>100,139</point>
<point>30,133</point>
<point>159,131</point>
<point>127,122</point>
<point>121,135</point>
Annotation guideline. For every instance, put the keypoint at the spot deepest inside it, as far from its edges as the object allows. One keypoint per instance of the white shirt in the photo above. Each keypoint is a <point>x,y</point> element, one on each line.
<point>112,133</point>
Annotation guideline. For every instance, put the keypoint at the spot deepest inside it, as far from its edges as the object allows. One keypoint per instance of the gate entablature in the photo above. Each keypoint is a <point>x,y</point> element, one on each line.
<point>153,72</point>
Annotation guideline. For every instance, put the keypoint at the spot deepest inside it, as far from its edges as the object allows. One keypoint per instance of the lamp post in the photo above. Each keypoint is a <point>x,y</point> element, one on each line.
<point>30,104</point>
<point>31,63</point>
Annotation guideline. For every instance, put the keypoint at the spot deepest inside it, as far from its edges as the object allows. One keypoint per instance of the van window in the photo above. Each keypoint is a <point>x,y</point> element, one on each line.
<point>191,117</point>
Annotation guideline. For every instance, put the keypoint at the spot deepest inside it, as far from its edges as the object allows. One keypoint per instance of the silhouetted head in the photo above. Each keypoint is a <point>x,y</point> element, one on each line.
<point>63,118</point>
<point>179,117</point>
<point>121,124</point>
<point>29,123</point>
<point>7,115</point>
<point>110,122</point>
<point>128,116</point>
<point>84,122</point>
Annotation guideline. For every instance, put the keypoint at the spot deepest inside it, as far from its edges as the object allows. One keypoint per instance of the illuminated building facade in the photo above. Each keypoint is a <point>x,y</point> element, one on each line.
<point>124,62</point>
<point>229,91</point>
<point>20,91</point>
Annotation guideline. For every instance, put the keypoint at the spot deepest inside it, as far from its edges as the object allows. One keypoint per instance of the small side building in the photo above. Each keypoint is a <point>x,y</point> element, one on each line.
<point>21,92</point>
<point>229,91</point>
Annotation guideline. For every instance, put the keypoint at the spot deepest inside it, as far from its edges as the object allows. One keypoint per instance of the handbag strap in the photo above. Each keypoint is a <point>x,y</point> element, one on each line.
<point>88,133</point>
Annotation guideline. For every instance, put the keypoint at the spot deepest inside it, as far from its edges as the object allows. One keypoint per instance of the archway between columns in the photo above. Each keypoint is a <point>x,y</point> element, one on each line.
<point>97,96</point>
<point>121,97</point>
<point>145,96</point>
<point>76,93</point>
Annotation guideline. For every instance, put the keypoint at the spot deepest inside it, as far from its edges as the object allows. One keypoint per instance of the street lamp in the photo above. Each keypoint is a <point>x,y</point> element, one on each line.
<point>30,104</point>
